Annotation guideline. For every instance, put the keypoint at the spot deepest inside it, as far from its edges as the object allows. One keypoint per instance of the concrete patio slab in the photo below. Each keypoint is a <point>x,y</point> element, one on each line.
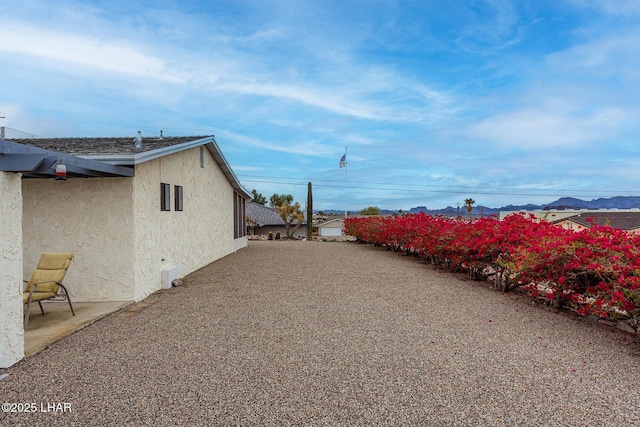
<point>58,322</point>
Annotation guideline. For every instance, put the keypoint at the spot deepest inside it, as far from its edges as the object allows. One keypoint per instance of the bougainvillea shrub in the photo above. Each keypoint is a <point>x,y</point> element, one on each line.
<point>595,270</point>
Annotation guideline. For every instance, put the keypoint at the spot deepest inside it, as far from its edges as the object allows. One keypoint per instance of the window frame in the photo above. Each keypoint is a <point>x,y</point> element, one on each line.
<point>179,198</point>
<point>165,197</point>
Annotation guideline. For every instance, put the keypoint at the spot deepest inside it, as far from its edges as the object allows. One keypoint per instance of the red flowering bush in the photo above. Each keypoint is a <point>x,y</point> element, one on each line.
<point>595,270</point>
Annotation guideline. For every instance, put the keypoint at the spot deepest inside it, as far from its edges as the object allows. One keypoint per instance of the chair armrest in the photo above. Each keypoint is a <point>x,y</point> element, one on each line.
<point>47,281</point>
<point>35,285</point>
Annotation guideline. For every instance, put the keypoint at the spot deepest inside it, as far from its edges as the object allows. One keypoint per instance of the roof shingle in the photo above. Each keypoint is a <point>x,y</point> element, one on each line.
<point>261,215</point>
<point>105,145</point>
<point>621,220</point>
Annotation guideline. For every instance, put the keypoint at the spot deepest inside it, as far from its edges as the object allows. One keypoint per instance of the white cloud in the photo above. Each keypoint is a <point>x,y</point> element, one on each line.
<point>233,75</point>
<point>75,49</point>
<point>611,7</point>
<point>307,148</point>
<point>492,25</point>
<point>323,99</point>
<point>359,99</point>
<point>603,57</point>
<point>537,130</point>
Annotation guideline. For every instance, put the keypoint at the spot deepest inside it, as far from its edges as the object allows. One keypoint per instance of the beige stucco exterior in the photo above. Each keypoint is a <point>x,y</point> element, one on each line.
<point>11,330</point>
<point>121,239</point>
<point>191,239</point>
<point>91,218</point>
<point>568,224</point>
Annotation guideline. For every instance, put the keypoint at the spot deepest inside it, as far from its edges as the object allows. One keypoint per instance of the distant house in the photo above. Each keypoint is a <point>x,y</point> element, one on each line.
<point>554,215</point>
<point>546,214</point>
<point>624,220</point>
<point>331,228</point>
<point>262,220</point>
<point>133,210</point>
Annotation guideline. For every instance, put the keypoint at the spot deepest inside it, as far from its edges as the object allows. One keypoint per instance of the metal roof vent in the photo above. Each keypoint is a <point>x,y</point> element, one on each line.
<point>137,141</point>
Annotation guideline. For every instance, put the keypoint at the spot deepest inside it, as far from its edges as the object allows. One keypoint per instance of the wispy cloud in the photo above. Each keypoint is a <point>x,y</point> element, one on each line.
<point>615,7</point>
<point>490,25</point>
<point>538,130</point>
<point>307,147</point>
<point>125,58</point>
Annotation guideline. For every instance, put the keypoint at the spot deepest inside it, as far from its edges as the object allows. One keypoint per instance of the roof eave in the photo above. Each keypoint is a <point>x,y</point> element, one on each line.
<point>209,141</point>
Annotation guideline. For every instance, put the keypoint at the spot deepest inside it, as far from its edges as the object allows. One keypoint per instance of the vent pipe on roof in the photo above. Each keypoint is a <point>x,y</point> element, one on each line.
<point>137,141</point>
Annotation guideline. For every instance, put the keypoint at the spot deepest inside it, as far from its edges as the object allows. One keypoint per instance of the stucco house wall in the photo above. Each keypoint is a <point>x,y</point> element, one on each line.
<point>11,331</point>
<point>183,239</point>
<point>240,243</point>
<point>91,217</point>
<point>121,239</point>
<point>568,224</point>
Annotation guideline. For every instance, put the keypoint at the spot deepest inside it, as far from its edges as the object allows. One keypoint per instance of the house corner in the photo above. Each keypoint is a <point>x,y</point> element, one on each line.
<point>11,322</point>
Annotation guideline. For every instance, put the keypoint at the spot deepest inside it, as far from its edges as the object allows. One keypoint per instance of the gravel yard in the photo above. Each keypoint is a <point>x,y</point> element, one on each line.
<point>328,333</point>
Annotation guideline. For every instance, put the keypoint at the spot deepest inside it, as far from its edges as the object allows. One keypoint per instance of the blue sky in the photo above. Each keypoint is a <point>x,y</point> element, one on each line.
<point>506,102</point>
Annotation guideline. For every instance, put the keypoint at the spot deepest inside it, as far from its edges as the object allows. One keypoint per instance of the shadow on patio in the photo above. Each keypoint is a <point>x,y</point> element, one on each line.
<point>57,323</point>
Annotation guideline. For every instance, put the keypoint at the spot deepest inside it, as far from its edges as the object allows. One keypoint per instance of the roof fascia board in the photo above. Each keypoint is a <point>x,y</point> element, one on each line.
<point>20,162</point>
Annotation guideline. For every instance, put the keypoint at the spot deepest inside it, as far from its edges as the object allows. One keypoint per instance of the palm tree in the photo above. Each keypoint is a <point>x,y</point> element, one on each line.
<point>469,204</point>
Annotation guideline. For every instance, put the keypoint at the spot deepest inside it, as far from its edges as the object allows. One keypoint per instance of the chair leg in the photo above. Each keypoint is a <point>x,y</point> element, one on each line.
<point>26,315</point>
<point>70,306</point>
<point>68,298</point>
<point>41,309</point>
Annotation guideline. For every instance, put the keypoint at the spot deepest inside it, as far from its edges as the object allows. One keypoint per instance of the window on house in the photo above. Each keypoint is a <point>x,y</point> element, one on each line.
<point>165,197</point>
<point>235,215</point>
<point>239,216</point>
<point>178,196</point>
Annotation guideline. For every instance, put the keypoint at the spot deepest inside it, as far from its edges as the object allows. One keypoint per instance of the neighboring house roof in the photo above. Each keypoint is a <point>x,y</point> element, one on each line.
<point>261,216</point>
<point>122,151</point>
<point>338,222</point>
<point>621,220</point>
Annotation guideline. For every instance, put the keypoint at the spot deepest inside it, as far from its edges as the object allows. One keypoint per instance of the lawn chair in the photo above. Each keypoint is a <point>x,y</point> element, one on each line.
<point>46,281</point>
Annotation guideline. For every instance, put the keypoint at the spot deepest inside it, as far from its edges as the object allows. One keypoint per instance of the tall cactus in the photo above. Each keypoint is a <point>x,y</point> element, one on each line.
<point>309,212</point>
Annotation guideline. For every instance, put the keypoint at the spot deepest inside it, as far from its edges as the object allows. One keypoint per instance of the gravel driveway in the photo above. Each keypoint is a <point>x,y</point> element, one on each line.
<point>326,333</point>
